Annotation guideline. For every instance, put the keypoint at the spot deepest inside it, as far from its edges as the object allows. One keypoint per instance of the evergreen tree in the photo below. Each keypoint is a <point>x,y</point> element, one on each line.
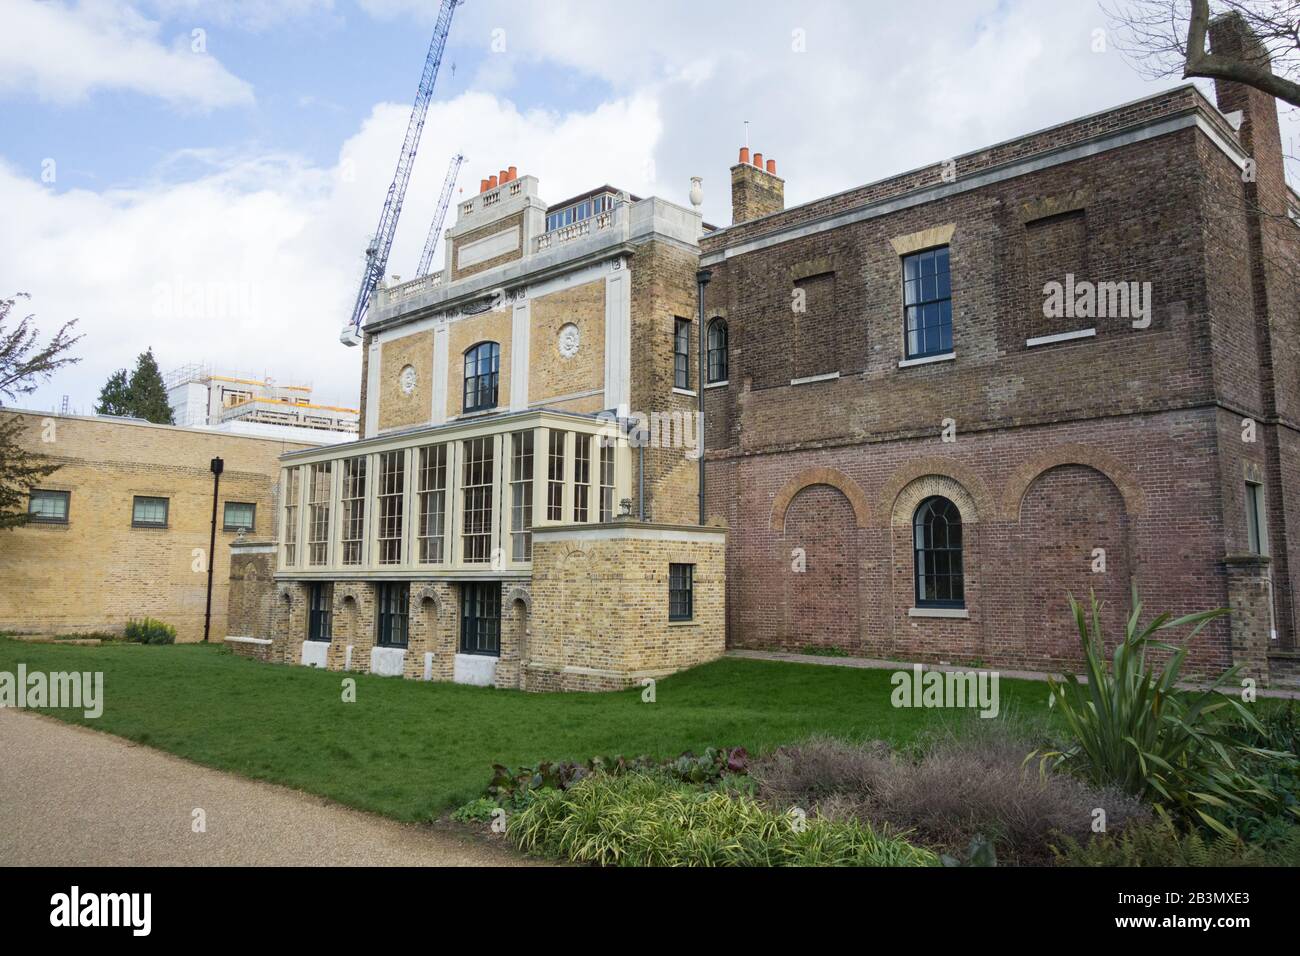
<point>148,397</point>
<point>114,397</point>
<point>22,365</point>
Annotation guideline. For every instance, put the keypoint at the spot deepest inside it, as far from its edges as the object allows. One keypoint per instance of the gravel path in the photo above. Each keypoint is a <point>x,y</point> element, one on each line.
<point>71,796</point>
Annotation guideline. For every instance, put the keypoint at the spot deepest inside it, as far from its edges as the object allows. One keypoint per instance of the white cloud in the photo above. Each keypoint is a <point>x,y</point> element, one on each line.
<point>253,265</point>
<point>251,15</point>
<point>65,52</point>
<point>877,89</point>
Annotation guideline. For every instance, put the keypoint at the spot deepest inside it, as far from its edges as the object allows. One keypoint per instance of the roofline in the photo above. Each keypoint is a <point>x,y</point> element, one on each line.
<point>721,232</point>
<point>141,423</point>
<point>345,449</point>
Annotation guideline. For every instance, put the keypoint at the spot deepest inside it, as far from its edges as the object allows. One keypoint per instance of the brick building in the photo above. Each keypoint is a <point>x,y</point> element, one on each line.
<point>473,533</point>
<point>919,447</point>
<point>934,405</point>
<point>122,529</point>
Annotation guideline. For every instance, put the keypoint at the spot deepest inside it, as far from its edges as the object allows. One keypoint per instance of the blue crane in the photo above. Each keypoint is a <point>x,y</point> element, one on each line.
<point>377,252</point>
<point>439,215</point>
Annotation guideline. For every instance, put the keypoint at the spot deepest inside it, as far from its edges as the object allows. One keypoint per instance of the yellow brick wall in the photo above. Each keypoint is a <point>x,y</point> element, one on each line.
<point>550,374</point>
<point>600,609</point>
<point>488,327</point>
<point>663,289</point>
<point>397,409</point>
<point>98,571</point>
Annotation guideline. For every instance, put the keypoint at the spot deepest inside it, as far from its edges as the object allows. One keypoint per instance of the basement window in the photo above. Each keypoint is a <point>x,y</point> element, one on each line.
<point>681,592</point>
<point>149,512</point>
<point>480,619</point>
<point>319,619</point>
<point>238,516</point>
<point>392,599</point>
<point>48,507</point>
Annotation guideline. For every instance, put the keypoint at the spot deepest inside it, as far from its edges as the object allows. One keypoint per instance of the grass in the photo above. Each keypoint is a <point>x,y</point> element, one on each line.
<point>409,749</point>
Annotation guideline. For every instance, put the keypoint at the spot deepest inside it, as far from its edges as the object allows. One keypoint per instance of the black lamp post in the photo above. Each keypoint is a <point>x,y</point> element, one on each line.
<point>217,466</point>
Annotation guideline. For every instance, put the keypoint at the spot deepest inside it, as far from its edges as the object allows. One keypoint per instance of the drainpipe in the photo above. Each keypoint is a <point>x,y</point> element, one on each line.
<point>217,466</point>
<point>702,279</point>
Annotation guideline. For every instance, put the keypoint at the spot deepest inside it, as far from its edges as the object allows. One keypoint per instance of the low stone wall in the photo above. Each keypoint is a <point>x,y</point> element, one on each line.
<point>255,648</point>
<point>600,604</point>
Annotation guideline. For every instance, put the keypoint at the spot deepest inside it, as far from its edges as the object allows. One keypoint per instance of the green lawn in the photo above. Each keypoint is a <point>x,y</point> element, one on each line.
<point>410,749</point>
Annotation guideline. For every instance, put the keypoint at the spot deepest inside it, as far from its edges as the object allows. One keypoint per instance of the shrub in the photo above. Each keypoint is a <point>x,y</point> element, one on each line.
<point>514,786</point>
<point>479,810</point>
<point>1161,843</point>
<point>639,819</point>
<point>1134,729</point>
<point>963,784</point>
<point>149,631</point>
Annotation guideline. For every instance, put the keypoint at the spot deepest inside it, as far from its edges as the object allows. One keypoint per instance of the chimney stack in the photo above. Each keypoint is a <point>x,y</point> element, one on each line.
<point>1232,37</point>
<point>756,191</point>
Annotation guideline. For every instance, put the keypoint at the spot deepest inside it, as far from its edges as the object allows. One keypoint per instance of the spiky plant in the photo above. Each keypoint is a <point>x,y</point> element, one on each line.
<point>1132,726</point>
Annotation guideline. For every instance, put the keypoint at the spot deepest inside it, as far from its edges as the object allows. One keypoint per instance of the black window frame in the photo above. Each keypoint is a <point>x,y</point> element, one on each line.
<point>480,618</point>
<point>681,592</point>
<point>392,613</point>
<point>320,611</point>
<point>716,360</point>
<point>167,512</point>
<point>35,518</point>
<point>918,296</point>
<point>1256,519</point>
<point>225,516</point>
<point>481,386</point>
<point>924,570</point>
<point>682,354</point>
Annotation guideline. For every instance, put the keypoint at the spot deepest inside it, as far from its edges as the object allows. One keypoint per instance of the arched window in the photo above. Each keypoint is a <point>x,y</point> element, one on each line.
<point>717,351</point>
<point>936,539</point>
<point>482,363</point>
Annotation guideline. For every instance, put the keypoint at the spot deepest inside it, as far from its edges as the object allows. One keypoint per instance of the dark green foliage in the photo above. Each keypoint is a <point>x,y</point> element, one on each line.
<point>515,786</point>
<point>23,365</point>
<point>1162,843</point>
<point>149,631</point>
<point>141,395</point>
<point>115,396</point>
<point>1132,727</point>
<point>478,810</point>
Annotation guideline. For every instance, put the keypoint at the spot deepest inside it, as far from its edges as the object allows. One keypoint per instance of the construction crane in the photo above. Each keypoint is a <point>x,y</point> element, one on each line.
<point>439,215</point>
<point>377,252</point>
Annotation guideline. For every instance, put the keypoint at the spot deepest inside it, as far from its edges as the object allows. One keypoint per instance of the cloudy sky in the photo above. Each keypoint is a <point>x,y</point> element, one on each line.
<point>201,176</point>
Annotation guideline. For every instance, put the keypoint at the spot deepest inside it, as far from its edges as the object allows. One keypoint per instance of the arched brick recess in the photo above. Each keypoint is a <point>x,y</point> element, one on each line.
<point>1111,467</point>
<point>518,594</point>
<point>936,639</point>
<point>908,499</point>
<point>515,607</point>
<point>822,603</point>
<point>973,497</point>
<point>1066,513</point>
<point>433,612</point>
<point>428,593</point>
<point>819,476</point>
